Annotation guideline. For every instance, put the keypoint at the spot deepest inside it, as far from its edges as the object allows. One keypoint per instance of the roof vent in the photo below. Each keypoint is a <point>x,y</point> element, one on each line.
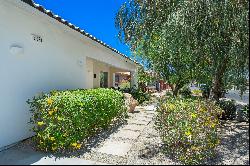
<point>37,38</point>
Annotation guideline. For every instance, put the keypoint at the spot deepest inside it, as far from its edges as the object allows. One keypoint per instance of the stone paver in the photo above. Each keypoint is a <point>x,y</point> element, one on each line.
<point>141,118</point>
<point>134,127</point>
<point>126,134</point>
<point>133,121</point>
<point>146,114</point>
<point>139,108</point>
<point>117,148</point>
<point>150,108</point>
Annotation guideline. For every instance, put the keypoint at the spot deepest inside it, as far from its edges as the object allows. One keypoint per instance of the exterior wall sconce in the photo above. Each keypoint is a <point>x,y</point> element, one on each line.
<point>80,61</point>
<point>16,50</point>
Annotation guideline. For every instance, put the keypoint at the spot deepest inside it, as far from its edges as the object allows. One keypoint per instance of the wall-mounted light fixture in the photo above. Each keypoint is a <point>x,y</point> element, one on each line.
<point>80,61</point>
<point>16,50</point>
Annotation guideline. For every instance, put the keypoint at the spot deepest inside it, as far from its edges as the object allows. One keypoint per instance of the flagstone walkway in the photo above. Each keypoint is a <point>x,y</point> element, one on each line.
<point>136,142</point>
<point>116,144</point>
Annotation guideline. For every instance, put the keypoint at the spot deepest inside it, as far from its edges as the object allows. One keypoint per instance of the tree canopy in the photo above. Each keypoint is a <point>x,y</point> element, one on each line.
<point>184,40</point>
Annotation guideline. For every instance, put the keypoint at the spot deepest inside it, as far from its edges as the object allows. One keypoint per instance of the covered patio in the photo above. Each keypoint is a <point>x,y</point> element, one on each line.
<point>105,75</point>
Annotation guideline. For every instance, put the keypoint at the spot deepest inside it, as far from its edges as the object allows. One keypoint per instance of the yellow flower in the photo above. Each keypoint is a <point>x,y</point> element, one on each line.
<point>188,133</point>
<point>193,115</point>
<point>74,144</point>
<point>213,125</point>
<point>78,146</point>
<point>49,101</point>
<point>51,112</point>
<point>40,123</point>
<point>171,106</point>
<point>52,138</point>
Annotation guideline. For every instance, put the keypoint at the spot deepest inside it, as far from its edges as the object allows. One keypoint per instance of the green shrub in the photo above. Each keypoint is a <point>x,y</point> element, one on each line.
<point>137,94</point>
<point>188,128</point>
<point>169,94</point>
<point>185,91</point>
<point>245,111</point>
<point>229,107</point>
<point>64,120</point>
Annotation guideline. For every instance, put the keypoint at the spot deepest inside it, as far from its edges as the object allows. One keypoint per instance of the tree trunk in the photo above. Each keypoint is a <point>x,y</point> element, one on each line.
<point>217,88</point>
<point>216,91</point>
<point>175,92</point>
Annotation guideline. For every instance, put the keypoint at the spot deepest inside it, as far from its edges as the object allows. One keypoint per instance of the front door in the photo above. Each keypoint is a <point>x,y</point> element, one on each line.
<point>104,79</point>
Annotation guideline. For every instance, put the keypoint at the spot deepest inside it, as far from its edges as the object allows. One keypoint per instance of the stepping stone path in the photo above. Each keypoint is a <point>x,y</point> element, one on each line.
<point>120,143</point>
<point>118,148</point>
<point>138,122</point>
<point>127,134</point>
<point>134,127</point>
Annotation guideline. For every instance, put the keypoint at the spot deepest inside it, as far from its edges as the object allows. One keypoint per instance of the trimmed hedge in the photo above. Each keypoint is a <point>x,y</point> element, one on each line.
<point>65,119</point>
<point>188,128</point>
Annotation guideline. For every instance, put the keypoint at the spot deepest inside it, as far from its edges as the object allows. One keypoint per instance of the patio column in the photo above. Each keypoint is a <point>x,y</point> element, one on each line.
<point>134,79</point>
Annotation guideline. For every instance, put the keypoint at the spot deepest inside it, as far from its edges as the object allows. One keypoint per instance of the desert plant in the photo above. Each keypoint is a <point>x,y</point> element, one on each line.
<point>245,111</point>
<point>229,107</point>
<point>63,120</point>
<point>169,94</point>
<point>185,91</point>
<point>137,94</point>
<point>188,128</point>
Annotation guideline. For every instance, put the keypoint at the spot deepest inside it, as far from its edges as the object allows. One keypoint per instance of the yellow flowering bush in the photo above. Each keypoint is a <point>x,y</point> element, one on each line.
<point>65,119</point>
<point>188,128</point>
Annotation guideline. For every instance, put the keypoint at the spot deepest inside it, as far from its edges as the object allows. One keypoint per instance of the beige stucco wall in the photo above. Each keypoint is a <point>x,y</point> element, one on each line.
<point>89,73</point>
<point>59,62</point>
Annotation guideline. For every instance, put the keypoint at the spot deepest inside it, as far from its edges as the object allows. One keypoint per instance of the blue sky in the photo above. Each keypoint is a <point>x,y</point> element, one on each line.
<point>94,16</point>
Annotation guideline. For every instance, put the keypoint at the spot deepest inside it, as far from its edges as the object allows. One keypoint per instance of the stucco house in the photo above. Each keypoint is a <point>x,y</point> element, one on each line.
<point>40,52</point>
